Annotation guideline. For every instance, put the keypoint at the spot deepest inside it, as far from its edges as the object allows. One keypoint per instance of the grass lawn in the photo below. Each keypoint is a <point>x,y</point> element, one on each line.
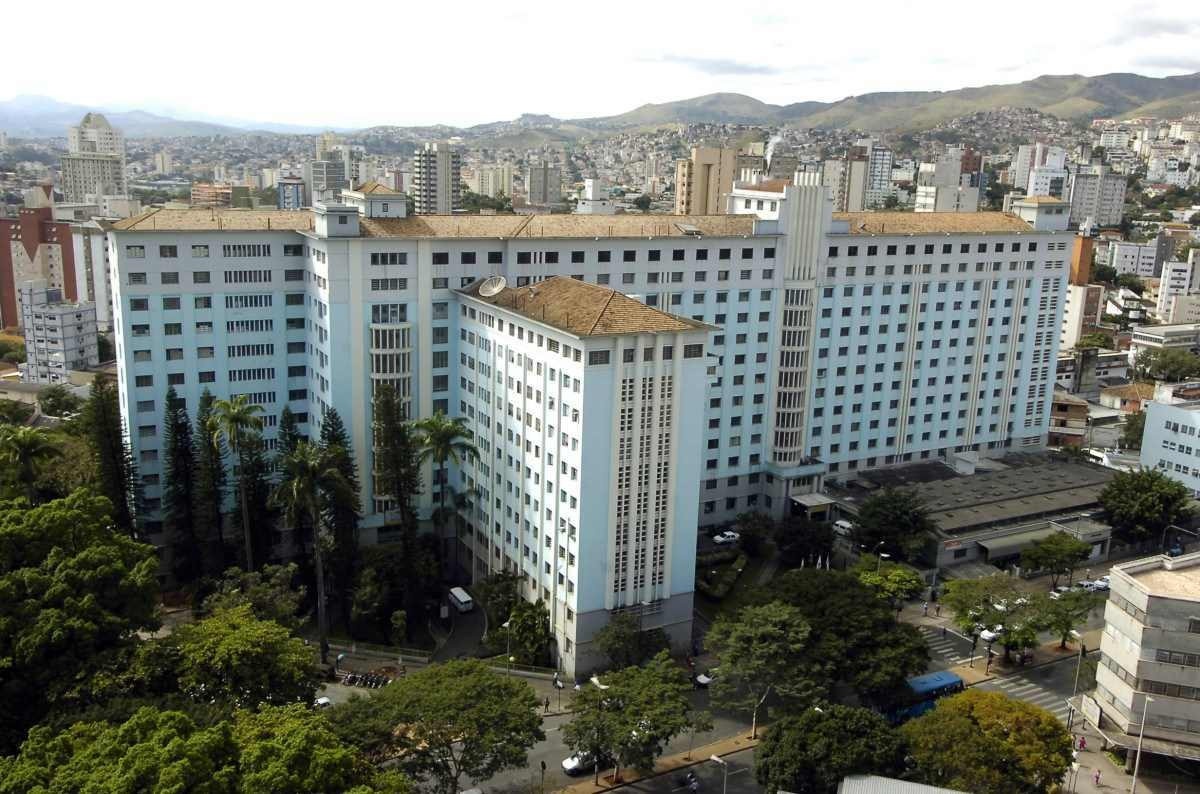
<point>736,599</point>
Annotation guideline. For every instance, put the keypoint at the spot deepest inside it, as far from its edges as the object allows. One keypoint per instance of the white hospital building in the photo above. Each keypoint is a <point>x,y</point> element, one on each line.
<point>687,368</point>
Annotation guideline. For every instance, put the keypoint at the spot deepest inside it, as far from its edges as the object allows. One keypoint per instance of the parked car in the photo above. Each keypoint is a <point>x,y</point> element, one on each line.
<point>991,635</point>
<point>580,763</point>
<point>725,538</point>
<point>702,680</point>
<point>322,703</point>
<point>1101,583</point>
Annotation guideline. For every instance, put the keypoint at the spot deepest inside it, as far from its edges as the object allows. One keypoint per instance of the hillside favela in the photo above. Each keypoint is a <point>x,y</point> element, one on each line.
<point>782,400</point>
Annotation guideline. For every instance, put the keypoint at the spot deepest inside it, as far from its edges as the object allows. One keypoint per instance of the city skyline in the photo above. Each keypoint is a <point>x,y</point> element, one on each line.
<point>773,57</point>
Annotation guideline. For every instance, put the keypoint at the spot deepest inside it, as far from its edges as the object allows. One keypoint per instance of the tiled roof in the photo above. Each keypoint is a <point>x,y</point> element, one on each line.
<point>628,225</point>
<point>932,222</point>
<point>584,309</point>
<point>374,186</point>
<point>1039,200</point>
<point>1131,391</point>
<point>211,219</point>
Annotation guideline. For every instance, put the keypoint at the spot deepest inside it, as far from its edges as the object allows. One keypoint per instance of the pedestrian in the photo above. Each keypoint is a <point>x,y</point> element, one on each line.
<point>943,631</point>
<point>547,705</point>
<point>937,610</point>
<point>925,609</point>
<point>1082,743</point>
<point>1096,778</point>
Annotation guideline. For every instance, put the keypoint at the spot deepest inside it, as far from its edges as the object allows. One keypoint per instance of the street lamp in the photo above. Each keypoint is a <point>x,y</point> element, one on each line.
<point>508,645</point>
<point>716,759</point>
<point>880,559</point>
<point>1078,668</point>
<point>1162,544</point>
<point>1141,735</point>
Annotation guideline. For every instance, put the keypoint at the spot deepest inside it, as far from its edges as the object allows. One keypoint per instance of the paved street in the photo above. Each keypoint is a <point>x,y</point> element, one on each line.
<point>711,775</point>
<point>1047,686</point>
<point>946,648</point>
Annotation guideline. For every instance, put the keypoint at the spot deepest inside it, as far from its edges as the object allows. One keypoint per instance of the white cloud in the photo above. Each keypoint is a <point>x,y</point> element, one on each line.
<point>387,62</point>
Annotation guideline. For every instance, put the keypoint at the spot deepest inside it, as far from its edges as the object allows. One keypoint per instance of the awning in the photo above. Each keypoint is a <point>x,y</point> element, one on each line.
<point>1007,545</point>
<point>813,499</point>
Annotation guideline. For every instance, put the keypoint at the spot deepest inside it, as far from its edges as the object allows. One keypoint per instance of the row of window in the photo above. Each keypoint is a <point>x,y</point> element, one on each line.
<point>231,250</point>
<point>929,248</point>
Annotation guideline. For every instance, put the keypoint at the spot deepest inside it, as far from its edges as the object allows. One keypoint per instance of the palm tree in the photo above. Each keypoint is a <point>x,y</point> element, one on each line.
<point>310,479</point>
<point>26,449</point>
<point>443,441</point>
<point>234,421</point>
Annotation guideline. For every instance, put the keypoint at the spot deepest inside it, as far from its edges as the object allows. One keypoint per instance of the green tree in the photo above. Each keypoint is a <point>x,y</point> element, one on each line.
<point>624,642</point>
<point>800,540</point>
<point>1131,282</point>
<point>209,489</point>
<point>632,716</point>
<point>1141,504</point>
<point>235,658</point>
<point>891,581</point>
<point>114,458</point>
<point>396,454</point>
<point>988,743</point>
<point>897,519</point>
<point>1134,429</point>
<point>56,400</point>
<point>341,506</point>
<point>179,498</point>
<point>698,722</point>
<point>1171,364</point>
<point>311,482</point>
<point>1056,555</point>
<point>26,450</point>
<point>234,422</point>
<point>288,435</point>
<point>443,441</point>
<point>1066,613</point>
<point>1104,274</point>
<point>755,529</point>
<point>1095,339</point>
<point>528,632</point>
<point>762,651</point>
<point>445,721</point>
<point>255,473</point>
<point>286,749</point>
<point>811,752</point>
<point>271,593</point>
<point>983,602</point>
<point>73,592</point>
<point>642,203</point>
<point>15,413</point>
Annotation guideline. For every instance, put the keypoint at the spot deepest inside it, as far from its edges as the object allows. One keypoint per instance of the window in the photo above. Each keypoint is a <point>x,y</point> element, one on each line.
<point>170,304</point>
<point>137,278</point>
<point>139,304</point>
<point>441,283</point>
<point>174,354</point>
<point>389,258</point>
<point>169,277</point>
<point>135,252</point>
<point>598,357</point>
<point>200,251</point>
<point>293,250</point>
<point>203,301</point>
<point>441,258</point>
<point>495,257</point>
<point>168,251</point>
<point>201,277</point>
<point>576,257</point>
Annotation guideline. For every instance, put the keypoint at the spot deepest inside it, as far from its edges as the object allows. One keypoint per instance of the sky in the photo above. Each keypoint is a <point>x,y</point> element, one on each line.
<point>362,63</point>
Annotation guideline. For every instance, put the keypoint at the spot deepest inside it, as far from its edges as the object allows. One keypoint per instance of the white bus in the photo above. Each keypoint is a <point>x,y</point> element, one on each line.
<point>461,599</point>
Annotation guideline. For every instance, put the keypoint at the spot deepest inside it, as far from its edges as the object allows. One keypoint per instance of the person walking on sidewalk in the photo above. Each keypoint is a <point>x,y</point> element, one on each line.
<point>937,609</point>
<point>925,609</point>
<point>1096,777</point>
<point>1082,742</point>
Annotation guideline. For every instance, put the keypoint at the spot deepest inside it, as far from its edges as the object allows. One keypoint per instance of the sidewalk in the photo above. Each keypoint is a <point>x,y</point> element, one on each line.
<point>669,763</point>
<point>1113,778</point>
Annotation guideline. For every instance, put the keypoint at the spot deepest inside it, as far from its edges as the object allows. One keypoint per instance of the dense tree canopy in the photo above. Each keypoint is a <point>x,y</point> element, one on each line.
<point>271,593</point>
<point>988,743</point>
<point>624,642</point>
<point>1134,429</point>
<point>897,519</point>
<point>1141,504</point>
<point>811,752</point>
<point>1056,555</point>
<point>73,592</point>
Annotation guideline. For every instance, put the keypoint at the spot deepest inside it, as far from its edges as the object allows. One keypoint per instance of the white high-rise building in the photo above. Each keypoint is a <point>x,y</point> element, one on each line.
<point>595,199</point>
<point>60,336</point>
<point>492,180</point>
<point>95,160</point>
<point>1097,194</point>
<point>164,163</point>
<point>543,184</point>
<point>1031,156</point>
<point>437,179</point>
<point>838,342</point>
<point>1136,258</point>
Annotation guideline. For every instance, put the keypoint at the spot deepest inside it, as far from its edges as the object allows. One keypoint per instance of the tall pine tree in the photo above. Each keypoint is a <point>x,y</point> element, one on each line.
<point>397,462</point>
<point>341,515</point>
<point>209,491</point>
<point>179,468</point>
<point>114,458</point>
<point>288,435</point>
<point>254,470</point>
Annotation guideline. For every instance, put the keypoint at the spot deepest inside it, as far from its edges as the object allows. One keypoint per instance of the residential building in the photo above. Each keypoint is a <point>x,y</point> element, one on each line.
<point>595,199</point>
<point>323,149</point>
<point>1135,258</point>
<point>164,163</point>
<point>1087,370</point>
<point>1045,180</point>
<point>1097,196</point>
<point>1085,309</point>
<point>543,185</point>
<point>34,246</point>
<point>1031,156</point>
<point>437,179</point>
<point>95,160</point>
<point>207,194</point>
<point>1178,279</point>
<point>1128,398</point>
<point>60,336</point>
<point>1147,696</point>
<point>492,180</point>
<point>1068,420</point>
<point>289,191</point>
<point>838,343</point>
<point>762,199</point>
<point>325,179</point>
<point>355,164</point>
<point>703,182</point>
<point>868,176</point>
<point>1185,336</point>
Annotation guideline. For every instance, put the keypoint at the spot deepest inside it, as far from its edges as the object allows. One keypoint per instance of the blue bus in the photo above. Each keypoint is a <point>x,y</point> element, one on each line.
<point>923,692</point>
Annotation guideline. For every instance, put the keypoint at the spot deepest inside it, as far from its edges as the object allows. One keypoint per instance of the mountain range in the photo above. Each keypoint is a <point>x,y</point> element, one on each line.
<point>1073,97</point>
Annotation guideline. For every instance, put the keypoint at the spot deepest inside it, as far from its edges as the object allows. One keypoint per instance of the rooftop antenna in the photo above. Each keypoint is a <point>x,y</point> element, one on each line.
<point>492,286</point>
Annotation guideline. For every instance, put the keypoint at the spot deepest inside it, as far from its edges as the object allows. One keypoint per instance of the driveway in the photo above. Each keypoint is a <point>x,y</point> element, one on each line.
<point>465,635</point>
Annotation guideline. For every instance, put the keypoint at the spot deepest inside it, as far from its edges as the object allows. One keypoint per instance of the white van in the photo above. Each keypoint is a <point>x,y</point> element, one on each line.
<point>461,599</point>
<point>843,527</point>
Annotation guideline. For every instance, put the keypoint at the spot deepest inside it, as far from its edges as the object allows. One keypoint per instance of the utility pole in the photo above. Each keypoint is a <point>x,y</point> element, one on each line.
<point>1141,735</point>
<point>716,759</point>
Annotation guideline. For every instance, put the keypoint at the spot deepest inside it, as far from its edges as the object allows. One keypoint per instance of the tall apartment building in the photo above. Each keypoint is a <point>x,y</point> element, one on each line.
<point>1031,156</point>
<point>289,192</point>
<point>543,184</point>
<point>95,160</point>
<point>437,179</point>
<point>942,186</point>
<point>838,342</point>
<point>1136,258</point>
<point>1046,180</point>
<point>1148,680</point>
<point>35,246</point>
<point>325,179</point>
<point>164,163</point>
<point>60,336</point>
<point>1177,280</point>
<point>492,180</point>
<point>703,182</point>
<point>1097,194</point>
<point>208,194</point>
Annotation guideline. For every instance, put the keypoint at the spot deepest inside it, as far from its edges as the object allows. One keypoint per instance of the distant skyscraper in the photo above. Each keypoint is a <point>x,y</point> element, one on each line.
<point>95,160</point>
<point>436,179</point>
<point>492,180</point>
<point>325,143</point>
<point>164,163</point>
<point>704,181</point>
<point>1099,194</point>
<point>543,184</point>
<point>324,179</point>
<point>290,193</point>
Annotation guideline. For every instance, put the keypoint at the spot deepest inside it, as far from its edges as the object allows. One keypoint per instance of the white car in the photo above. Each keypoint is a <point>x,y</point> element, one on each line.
<point>991,635</point>
<point>725,538</point>
<point>1100,584</point>
<point>579,763</point>
<point>322,703</point>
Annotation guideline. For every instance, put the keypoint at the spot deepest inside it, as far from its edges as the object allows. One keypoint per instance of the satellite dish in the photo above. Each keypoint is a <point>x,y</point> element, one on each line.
<point>492,285</point>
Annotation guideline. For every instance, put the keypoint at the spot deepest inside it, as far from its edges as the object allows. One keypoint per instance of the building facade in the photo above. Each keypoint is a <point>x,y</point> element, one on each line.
<point>60,336</point>
<point>703,181</point>
<point>492,180</point>
<point>437,179</point>
<point>289,193</point>
<point>837,342</point>
<point>1098,195</point>
<point>94,164</point>
<point>1134,258</point>
<point>34,246</point>
<point>543,184</point>
<point>1148,679</point>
